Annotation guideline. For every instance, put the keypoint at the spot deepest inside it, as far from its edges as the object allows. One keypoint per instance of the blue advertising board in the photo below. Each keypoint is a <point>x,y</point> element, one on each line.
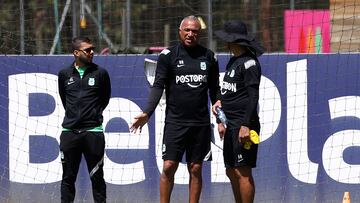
<point>309,108</point>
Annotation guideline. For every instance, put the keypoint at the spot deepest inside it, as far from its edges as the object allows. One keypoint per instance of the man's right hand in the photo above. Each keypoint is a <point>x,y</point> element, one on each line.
<point>221,129</point>
<point>139,121</point>
<point>217,104</point>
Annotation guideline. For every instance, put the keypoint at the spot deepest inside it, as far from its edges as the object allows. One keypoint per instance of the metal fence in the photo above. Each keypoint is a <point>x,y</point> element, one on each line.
<point>132,26</point>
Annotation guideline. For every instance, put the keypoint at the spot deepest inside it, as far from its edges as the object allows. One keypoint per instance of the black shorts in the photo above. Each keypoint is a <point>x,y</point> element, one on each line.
<point>235,154</point>
<point>194,140</point>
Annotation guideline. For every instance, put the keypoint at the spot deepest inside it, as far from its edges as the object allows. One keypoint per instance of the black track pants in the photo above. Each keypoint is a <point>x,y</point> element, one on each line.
<point>92,146</point>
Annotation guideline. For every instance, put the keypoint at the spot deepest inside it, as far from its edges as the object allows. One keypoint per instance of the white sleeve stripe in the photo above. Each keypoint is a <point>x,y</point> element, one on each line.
<point>165,51</point>
<point>249,63</point>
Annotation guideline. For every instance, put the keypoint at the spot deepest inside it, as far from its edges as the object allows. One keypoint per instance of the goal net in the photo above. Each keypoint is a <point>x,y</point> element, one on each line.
<point>308,106</point>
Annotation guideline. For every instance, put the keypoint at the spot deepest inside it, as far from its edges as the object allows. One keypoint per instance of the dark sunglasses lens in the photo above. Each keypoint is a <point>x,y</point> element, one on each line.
<point>88,50</point>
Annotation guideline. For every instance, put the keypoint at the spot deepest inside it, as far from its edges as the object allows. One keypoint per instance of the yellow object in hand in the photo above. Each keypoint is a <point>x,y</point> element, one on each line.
<point>254,138</point>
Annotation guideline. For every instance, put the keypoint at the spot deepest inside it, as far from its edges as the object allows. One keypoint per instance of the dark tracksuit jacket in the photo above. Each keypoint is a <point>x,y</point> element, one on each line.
<point>240,91</point>
<point>84,99</point>
<point>189,76</point>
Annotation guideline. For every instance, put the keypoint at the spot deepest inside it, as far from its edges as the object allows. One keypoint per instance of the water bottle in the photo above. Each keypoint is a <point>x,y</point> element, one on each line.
<point>221,116</point>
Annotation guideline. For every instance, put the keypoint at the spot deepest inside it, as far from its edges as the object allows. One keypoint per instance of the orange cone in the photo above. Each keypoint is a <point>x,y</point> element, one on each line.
<point>346,198</point>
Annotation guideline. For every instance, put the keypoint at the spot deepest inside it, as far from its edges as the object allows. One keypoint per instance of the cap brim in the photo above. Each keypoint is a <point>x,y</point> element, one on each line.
<point>245,40</point>
<point>231,37</point>
<point>254,45</point>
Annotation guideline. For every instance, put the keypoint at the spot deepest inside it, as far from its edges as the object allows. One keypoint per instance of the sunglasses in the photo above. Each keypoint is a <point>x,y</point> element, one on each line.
<point>87,50</point>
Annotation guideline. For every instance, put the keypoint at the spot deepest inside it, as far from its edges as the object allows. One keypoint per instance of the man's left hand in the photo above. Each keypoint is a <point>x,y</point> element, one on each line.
<point>244,134</point>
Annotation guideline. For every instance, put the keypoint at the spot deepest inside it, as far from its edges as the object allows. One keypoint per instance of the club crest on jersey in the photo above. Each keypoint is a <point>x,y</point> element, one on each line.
<point>91,82</point>
<point>232,73</point>
<point>202,65</point>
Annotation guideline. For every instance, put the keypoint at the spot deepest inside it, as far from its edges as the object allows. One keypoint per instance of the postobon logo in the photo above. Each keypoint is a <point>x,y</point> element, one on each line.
<point>227,86</point>
<point>193,81</point>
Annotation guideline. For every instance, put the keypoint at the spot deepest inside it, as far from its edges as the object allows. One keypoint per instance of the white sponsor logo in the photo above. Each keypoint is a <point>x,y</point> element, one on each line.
<point>62,157</point>
<point>70,81</point>
<point>191,79</point>
<point>239,158</point>
<point>180,63</point>
<point>227,86</point>
<point>22,170</point>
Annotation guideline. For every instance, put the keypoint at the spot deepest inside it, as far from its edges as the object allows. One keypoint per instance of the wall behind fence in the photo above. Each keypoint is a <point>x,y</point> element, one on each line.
<point>309,107</point>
